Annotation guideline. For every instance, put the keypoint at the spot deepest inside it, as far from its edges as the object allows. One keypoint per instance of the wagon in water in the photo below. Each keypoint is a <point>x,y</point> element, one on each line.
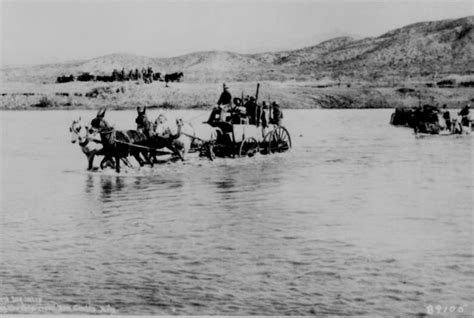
<point>238,130</point>
<point>432,120</point>
<point>246,140</point>
<point>247,129</point>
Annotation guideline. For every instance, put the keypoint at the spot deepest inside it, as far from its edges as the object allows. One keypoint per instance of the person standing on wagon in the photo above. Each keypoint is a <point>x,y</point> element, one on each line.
<point>225,100</point>
<point>465,116</point>
<point>277,114</point>
<point>447,118</point>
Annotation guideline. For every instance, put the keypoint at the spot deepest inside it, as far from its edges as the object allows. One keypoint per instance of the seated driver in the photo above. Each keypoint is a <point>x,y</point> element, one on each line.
<point>237,113</point>
<point>219,112</point>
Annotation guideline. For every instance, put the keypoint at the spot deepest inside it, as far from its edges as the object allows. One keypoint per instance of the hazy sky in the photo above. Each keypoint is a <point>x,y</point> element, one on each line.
<point>34,32</point>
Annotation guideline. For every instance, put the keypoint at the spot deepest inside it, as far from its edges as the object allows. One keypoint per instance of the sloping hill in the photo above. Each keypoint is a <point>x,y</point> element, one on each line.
<point>214,65</point>
<point>307,54</point>
<point>417,50</point>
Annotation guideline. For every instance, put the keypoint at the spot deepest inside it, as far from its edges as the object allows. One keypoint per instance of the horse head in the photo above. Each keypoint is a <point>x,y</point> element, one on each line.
<point>144,125</point>
<point>98,123</point>
<point>161,125</point>
<point>141,119</point>
<point>160,120</point>
<point>140,111</point>
<point>73,129</point>
<point>77,130</point>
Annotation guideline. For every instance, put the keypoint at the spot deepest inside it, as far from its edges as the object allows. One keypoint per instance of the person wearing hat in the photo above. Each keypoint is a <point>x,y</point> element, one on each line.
<point>237,112</point>
<point>251,110</point>
<point>264,115</point>
<point>277,114</point>
<point>226,98</point>
<point>465,116</point>
<point>446,117</point>
<point>219,112</point>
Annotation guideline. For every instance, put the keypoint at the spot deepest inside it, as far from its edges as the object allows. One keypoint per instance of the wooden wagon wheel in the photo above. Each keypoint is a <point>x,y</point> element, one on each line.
<point>265,142</point>
<point>248,147</point>
<point>279,140</point>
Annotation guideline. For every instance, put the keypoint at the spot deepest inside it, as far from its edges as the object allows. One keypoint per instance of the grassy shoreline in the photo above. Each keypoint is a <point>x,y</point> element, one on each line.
<point>290,95</point>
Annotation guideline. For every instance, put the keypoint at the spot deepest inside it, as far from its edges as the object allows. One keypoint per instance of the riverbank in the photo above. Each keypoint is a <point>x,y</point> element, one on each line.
<point>291,95</point>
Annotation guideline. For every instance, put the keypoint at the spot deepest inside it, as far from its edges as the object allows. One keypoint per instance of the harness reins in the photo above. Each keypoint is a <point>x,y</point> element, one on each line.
<point>106,131</point>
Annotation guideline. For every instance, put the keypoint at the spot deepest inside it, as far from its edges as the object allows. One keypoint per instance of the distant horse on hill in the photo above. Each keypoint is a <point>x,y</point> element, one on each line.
<point>174,77</point>
<point>86,77</point>
<point>157,76</point>
<point>104,78</point>
<point>65,79</point>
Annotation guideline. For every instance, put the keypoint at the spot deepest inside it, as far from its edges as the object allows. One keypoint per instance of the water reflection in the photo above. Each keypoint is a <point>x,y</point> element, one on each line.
<point>89,186</point>
<point>110,185</point>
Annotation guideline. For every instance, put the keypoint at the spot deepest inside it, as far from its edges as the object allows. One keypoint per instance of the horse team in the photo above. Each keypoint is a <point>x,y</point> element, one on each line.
<point>143,144</point>
<point>147,75</point>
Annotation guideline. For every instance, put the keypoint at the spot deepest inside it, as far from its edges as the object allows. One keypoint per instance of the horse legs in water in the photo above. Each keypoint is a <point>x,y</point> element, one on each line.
<point>149,158</point>
<point>117,164</point>
<point>180,152</point>
<point>126,162</point>
<point>180,147</point>
<point>90,157</point>
<point>152,157</point>
<point>141,162</point>
<point>107,161</point>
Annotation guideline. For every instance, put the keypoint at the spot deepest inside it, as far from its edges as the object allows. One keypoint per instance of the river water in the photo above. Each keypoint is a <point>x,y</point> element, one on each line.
<point>359,218</point>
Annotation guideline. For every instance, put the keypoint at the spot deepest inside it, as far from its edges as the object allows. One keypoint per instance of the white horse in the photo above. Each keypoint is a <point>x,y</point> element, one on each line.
<point>171,137</point>
<point>200,133</point>
<point>185,135</point>
<point>90,146</point>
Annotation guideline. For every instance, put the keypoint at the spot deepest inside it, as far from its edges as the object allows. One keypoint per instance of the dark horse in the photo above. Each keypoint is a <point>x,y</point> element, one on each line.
<point>65,79</point>
<point>145,127</point>
<point>175,77</point>
<point>120,143</point>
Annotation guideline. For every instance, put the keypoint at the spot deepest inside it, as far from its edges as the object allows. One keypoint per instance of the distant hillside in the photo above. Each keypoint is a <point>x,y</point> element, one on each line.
<point>420,49</point>
<point>425,49</point>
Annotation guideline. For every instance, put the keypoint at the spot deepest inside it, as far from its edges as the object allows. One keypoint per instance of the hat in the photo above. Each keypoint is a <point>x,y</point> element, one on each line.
<point>225,86</point>
<point>237,101</point>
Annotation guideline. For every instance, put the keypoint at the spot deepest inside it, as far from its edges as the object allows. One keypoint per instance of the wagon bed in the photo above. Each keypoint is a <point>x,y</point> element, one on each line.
<point>245,140</point>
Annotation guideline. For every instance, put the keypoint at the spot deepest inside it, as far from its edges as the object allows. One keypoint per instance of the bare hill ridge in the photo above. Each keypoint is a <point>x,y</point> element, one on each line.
<point>422,49</point>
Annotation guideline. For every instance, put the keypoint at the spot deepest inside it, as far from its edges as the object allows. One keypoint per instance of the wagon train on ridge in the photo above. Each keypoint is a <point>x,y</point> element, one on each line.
<point>236,127</point>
